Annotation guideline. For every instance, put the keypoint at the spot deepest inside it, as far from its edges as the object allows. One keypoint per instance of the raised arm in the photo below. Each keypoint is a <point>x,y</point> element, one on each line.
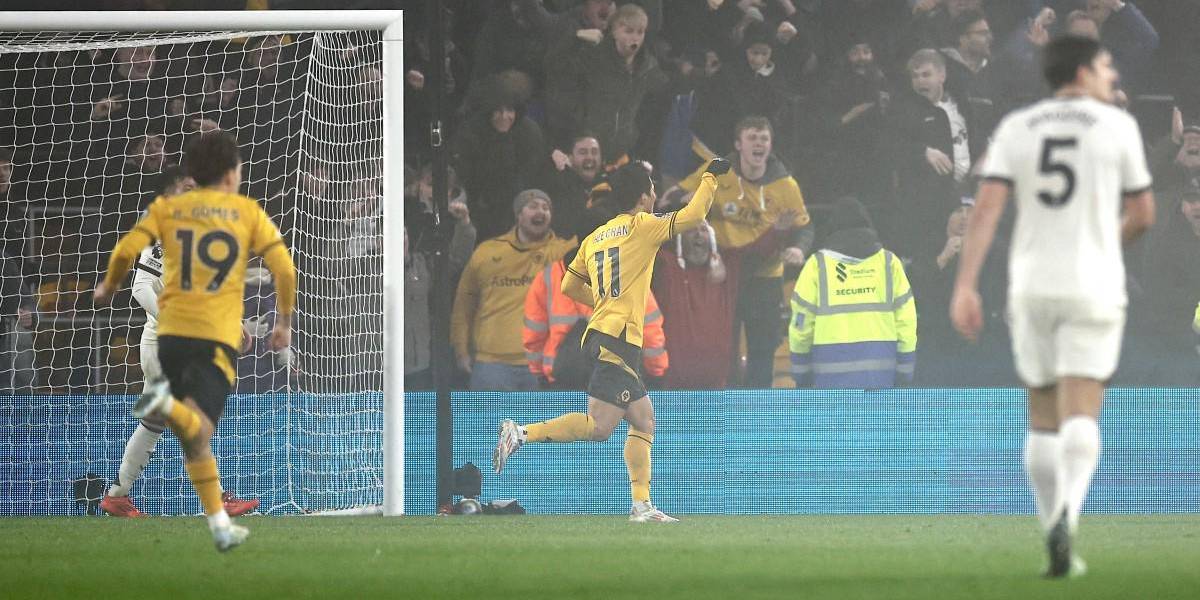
<point>690,216</point>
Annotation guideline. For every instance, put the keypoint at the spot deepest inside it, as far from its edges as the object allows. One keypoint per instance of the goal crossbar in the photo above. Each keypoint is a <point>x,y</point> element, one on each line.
<point>200,20</point>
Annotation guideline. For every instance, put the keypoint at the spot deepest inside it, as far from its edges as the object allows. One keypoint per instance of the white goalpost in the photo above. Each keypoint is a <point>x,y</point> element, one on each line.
<point>93,107</point>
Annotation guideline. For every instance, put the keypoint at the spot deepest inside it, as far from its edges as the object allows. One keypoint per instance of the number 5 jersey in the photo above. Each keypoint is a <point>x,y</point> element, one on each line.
<point>1069,162</point>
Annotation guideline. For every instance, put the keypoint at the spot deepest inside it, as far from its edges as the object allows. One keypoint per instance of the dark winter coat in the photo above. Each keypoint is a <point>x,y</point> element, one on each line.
<point>924,198</point>
<point>495,166</point>
<point>733,93</point>
<point>610,95</point>
<point>508,41</point>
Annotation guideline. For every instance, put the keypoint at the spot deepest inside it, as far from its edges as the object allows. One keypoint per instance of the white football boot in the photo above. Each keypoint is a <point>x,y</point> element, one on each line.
<point>156,397</point>
<point>645,512</point>
<point>510,441</point>
<point>228,538</point>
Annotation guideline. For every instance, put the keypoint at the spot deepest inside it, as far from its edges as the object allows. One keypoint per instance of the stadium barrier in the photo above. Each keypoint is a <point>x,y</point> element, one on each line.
<point>731,452</point>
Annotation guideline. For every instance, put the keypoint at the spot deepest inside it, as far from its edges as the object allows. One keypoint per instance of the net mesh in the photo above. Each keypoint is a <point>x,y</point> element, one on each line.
<point>89,122</point>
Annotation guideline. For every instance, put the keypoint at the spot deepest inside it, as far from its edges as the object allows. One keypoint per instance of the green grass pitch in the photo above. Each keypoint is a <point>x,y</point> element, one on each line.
<point>926,557</point>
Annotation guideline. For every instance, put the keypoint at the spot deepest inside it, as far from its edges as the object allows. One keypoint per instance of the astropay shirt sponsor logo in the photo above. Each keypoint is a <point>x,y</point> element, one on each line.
<point>505,281</point>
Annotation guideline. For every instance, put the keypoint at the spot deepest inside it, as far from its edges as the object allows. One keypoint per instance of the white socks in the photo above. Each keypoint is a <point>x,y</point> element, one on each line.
<point>219,521</point>
<point>137,455</point>
<point>1080,451</point>
<point>1060,467</point>
<point>1043,453</point>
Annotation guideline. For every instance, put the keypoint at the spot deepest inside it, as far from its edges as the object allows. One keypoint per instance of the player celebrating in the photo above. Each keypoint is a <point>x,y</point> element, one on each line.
<point>207,235</point>
<point>147,285</point>
<point>1067,279</point>
<point>616,262</point>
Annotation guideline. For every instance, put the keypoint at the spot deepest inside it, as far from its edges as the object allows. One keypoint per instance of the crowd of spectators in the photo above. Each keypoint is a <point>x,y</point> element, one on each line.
<point>888,102</point>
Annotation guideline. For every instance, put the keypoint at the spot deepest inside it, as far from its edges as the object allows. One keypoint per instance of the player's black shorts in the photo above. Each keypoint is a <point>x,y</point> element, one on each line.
<point>202,370</point>
<point>616,369</point>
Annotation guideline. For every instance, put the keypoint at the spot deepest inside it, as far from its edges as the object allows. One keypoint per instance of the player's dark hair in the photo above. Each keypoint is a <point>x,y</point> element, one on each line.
<point>1064,55</point>
<point>209,156</point>
<point>169,178</point>
<point>628,184</point>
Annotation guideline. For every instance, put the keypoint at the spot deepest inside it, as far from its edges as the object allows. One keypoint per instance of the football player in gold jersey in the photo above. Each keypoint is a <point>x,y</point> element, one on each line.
<point>612,272</point>
<point>207,236</point>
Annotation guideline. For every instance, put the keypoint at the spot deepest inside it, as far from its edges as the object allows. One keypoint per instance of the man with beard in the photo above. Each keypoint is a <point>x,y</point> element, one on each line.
<point>852,116</point>
<point>555,322</point>
<point>569,181</point>
<point>697,284</point>
<point>968,64</point>
<point>485,327</point>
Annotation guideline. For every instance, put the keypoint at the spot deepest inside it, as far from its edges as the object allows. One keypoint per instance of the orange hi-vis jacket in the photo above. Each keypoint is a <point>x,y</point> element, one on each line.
<point>550,315</point>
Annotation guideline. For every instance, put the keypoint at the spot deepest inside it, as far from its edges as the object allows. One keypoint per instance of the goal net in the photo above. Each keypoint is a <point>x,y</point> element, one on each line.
<point>90,121</point>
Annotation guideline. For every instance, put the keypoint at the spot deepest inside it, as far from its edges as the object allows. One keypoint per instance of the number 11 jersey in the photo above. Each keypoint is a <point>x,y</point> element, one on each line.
<point>617,261</point>
<point>207,236</point>
<point>1068,161</point>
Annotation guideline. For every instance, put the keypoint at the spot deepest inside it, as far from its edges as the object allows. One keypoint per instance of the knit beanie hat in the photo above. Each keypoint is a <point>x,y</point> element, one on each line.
<point>526,196</point>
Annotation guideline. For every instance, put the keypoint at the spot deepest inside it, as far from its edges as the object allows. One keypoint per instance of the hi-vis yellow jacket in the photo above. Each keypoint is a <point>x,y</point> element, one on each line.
<point>854,322</point>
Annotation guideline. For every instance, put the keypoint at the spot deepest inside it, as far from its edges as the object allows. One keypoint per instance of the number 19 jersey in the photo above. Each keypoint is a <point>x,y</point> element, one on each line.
<point>207,236</point>
<point>1069,161</point>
